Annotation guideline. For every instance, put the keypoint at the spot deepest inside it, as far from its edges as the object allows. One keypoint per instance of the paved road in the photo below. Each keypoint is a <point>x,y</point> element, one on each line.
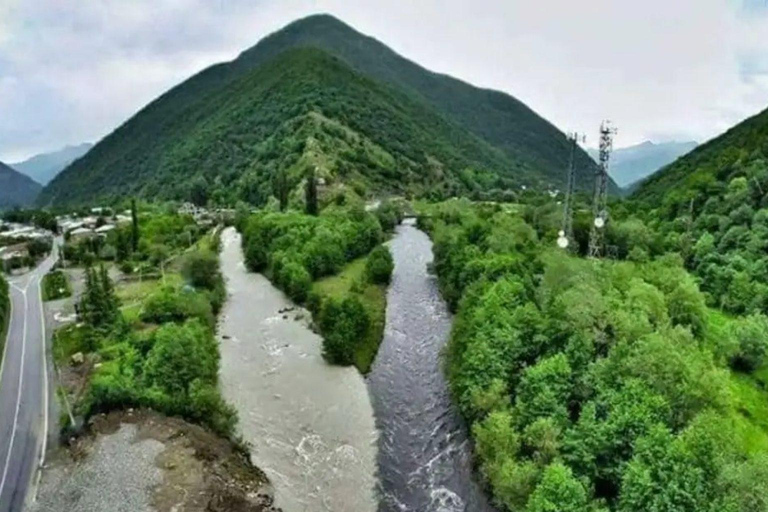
<point>23,389</point>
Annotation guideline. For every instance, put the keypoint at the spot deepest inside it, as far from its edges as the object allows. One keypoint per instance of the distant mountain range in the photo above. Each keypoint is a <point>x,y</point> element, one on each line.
<point>44,167</point>
<point>631,164</point>
<point>16,189</point>
<point>318,94</point>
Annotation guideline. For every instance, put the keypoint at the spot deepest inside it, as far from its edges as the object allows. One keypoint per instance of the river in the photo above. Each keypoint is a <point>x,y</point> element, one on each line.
<point>310,424</point>
<point>425,458</point>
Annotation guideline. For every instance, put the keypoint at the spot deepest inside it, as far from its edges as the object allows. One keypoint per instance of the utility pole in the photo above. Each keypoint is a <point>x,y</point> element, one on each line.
<point>565,236</point>
<point>600,199</point>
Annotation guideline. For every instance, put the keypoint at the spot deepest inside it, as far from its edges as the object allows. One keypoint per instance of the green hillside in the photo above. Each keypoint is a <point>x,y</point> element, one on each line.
<point>364,115</point>
<point>16,189</point>
<point>229,136</point>
<point>711,206</point>
<point>497,118</point>
<point>708,169</point>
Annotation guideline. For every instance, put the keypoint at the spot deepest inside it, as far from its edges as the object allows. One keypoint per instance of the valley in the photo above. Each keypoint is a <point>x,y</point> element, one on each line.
<point>319,277</point>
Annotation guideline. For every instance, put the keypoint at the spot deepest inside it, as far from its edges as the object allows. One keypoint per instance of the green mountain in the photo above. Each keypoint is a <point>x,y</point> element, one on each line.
<point>319,94</point>
<point>16,189</point>
<point>496,117</point>
<point>707,170</point>
<point>44,167</point>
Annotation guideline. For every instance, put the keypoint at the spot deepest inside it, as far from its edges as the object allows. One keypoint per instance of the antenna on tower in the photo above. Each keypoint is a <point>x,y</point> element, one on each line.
<point>600,200</point>
<point>565,236</point>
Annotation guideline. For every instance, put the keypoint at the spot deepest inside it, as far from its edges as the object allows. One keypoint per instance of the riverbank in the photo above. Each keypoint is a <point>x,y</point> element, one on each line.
<point>310,424</point>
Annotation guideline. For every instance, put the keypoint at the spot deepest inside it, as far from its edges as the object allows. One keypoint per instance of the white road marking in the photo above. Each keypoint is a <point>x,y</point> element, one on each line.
<point>18,396</point>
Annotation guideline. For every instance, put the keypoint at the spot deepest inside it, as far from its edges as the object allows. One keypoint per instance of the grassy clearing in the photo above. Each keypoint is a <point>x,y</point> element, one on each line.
<point>749,391</point>
<point>351,280</point>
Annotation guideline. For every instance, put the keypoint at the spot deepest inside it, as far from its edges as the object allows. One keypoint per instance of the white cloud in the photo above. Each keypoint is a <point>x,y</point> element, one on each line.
<point>73,71</point>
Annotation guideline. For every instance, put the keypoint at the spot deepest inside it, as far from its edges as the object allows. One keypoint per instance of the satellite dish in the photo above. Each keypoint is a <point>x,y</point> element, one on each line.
<point>599,222</point>
<point>562,242</point>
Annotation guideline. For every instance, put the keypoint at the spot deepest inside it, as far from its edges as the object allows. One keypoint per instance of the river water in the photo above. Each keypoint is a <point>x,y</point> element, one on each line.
<point>425,459</point>
<point>311,425</point>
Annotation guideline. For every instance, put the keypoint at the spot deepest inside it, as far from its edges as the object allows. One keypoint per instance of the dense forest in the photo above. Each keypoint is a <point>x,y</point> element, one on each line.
<point>598,384</point>
<point>334,264</point>
<point>711,207</point>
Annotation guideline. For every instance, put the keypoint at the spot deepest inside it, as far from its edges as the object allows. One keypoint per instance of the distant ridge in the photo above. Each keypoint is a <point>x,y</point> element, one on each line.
<point>633,163</point>
<point>44,167</point>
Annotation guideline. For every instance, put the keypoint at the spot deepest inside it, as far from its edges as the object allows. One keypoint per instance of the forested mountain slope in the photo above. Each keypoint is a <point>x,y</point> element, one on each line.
<point>711,206</point>
<point>378,122</point>
<point>227,133</point>
<point>496,117</point>
<point>709,168</point>
<point>15,188</point>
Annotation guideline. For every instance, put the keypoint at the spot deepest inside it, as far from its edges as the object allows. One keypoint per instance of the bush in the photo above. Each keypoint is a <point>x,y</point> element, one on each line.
<point>201,269</point>
<point>343,324</point>
<point>751,334</point>
<point>379,266</point>
<point>170,304</point>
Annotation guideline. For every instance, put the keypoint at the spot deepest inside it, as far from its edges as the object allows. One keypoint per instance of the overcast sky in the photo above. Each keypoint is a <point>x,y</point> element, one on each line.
<point>660,69</point>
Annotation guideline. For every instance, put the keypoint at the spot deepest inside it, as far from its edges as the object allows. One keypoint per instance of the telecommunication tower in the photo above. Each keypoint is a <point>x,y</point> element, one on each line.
<point>565,236</point>
<point>600,200</point>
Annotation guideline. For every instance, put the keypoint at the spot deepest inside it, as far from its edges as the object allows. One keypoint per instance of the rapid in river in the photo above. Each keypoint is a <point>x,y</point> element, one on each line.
<point>310,424</point>
<point>425,458</point>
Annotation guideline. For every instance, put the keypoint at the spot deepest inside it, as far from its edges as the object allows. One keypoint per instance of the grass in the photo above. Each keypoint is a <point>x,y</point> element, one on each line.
<point>69,340</point>
<point>749,391</point>
<point>351,280</point>
<point>56,286</point>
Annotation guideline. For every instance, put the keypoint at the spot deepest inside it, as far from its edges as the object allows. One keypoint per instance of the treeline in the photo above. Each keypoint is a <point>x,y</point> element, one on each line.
<point>295,249</point>
<point>594,385</point>
<point>168,359</point>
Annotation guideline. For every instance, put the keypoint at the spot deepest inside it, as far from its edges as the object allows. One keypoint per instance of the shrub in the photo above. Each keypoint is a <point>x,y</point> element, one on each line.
<point>201,269</point>
<point>343,324</point>
<point>752,335</point>
<point>379,265</point>
<point>170,304</point>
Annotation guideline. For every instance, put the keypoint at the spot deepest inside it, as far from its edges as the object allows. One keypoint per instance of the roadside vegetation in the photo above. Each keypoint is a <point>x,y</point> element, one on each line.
<point>334,264</point>
<point>151,343</point>
<point>5,314</point>
<point>598,384</point>
<point>56,286</point>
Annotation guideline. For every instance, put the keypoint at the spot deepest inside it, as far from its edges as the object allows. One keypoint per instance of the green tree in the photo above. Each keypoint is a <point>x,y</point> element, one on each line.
<point>311,193</point>
<point>135,235</point>
<point>558,491</point>
<point>379,265</point>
